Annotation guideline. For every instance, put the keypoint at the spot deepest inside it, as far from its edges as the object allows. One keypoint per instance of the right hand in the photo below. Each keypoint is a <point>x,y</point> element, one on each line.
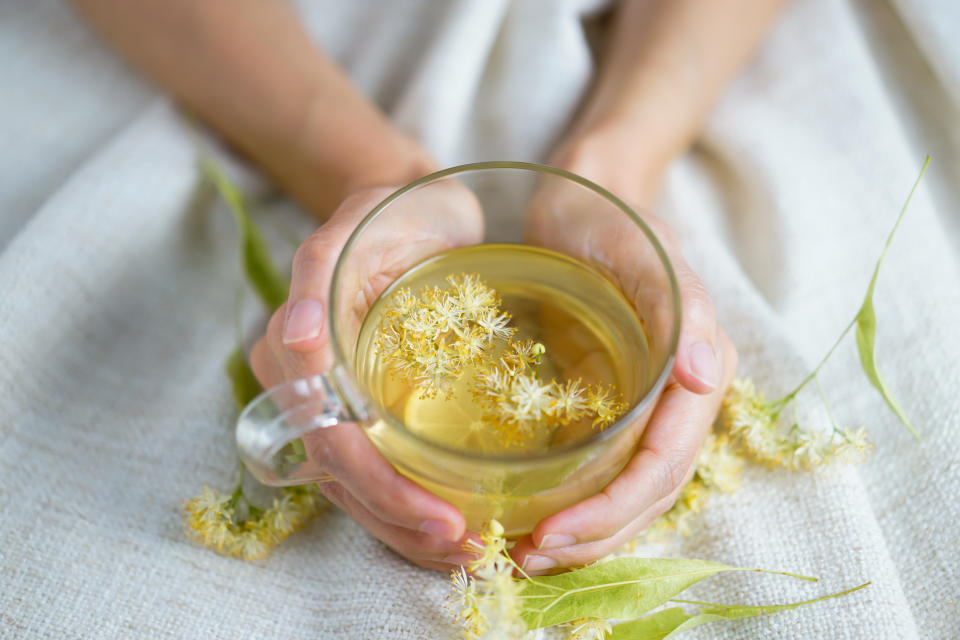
<point>413,522</point>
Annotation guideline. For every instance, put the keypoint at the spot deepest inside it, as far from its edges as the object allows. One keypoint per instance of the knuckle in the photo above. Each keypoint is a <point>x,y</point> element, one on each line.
<point>669,471</point>
<point>417,546</point>
<point>393,505</point>
<point>428,546</point>
<point>661,230</point>
<point>334,492</point>
<point>318,249</point>
<point>318,451</point>
<point>697,304</point>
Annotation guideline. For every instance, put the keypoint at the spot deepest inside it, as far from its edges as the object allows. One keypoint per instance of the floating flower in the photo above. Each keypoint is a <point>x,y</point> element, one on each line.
<point>430,339</point>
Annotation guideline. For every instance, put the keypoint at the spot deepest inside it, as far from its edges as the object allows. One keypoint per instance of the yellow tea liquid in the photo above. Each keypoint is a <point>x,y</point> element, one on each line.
<point>590,332</point>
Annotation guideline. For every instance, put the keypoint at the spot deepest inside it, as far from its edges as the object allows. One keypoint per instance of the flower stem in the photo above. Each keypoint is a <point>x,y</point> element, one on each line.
<point>778,405</point>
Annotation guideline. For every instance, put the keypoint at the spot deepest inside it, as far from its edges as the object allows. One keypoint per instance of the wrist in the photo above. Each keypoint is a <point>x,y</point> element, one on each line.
<point>344,145</point>
<point>617,157</point>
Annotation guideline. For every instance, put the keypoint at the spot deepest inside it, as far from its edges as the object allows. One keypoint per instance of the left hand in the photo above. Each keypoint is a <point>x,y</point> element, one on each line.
<point>705,365</point>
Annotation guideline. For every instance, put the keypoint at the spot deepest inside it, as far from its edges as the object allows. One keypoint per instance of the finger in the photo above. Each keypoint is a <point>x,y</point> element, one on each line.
<point>664,460</point>
<point>303,327</point>
<point>346,453</point>
<point>296,363</point>
<point>423,548</point>
<point>265,367</point>
<point>535,561</point>
<point>697,367</point>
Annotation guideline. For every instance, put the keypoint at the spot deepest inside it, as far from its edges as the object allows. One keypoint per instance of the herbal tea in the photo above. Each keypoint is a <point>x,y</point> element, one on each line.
<point>504,350</point>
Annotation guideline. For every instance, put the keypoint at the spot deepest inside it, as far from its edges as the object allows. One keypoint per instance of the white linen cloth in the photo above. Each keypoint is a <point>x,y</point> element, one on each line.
<point>118,273</point>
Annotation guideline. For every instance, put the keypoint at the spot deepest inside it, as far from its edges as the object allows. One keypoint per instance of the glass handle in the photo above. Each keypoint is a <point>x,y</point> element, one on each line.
<point>270,428</point>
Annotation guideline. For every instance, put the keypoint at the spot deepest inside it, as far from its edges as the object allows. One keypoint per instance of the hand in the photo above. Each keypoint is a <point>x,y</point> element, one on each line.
<point>413,522</point>
<point>704,367</point>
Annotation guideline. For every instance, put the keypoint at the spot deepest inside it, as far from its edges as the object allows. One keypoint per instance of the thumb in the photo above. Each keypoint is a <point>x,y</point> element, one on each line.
<point>304,327</point>
<point>697,367</point>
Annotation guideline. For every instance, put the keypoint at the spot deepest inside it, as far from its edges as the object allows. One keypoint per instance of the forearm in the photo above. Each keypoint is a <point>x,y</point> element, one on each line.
<point>666,63</point>
<point>248,69</point>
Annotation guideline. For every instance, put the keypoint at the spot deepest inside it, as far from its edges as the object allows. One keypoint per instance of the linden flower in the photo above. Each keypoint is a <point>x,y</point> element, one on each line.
<point>427,340</point>
<point>753,420</point>
<point>430,339</point>
<point>531,398</point>
<point>463,604</point>
<point>589,629</point>
<point>494,382</point>
<point>249,545</point>
<point>446,313</point>
<point>211,520</point>
<point>388,341</point>
<point>808,451</point>
<point>490,551</point>
<point>474,296</point>
<point>495,326</point>
<point>470,349</point>
<point>488,606</point>
<point>569,400</point>
<point>746,414</point>
<point>401,303</point>
<point>601,402</point>
<point>422,322</point>
<point>718,465</point>
<point>500,606</point>
<point>521,355</point>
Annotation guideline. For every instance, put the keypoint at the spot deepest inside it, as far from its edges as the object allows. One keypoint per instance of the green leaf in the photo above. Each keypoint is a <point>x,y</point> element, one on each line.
<point>867,324</point>
<point>656,626</point>
<point>258,265</point>
<point>671,622</point>
<point>620,588</point>
<point>242,381</point>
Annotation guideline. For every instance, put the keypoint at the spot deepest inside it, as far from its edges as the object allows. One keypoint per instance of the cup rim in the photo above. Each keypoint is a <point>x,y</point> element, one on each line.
<point>340,359</point>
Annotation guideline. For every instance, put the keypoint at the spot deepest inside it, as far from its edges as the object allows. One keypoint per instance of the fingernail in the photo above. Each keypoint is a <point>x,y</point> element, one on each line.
<point>304,321</point>
<point>439,529</point>
<point>556,540</point>
<point>704,365</point>
<point>460,558</point>
<point>538,563</point>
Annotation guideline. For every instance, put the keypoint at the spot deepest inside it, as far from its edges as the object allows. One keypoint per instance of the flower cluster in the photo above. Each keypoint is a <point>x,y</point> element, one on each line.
<point>752,430</point>
<point>431,339</point>
<point>212,520</point>
<point>518,403</point>
<point>754,421</point>
<point>487,603</point>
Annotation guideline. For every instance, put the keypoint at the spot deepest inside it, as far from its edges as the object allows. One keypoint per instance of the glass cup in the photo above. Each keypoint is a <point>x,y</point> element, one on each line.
<point>507,202</point>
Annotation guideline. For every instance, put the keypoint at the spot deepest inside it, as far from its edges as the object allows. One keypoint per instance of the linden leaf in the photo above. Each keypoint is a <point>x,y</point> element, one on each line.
<point>670,622</point>
<point>260,271</point>
<point>242,381</point>
<point>867,324</point>
<point>620,588</point>
<point>656,626</point>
